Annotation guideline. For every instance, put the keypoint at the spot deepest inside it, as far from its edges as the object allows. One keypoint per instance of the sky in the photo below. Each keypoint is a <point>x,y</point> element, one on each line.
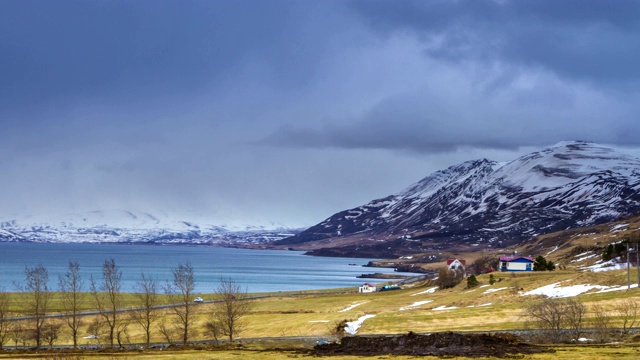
<point>285,112</point>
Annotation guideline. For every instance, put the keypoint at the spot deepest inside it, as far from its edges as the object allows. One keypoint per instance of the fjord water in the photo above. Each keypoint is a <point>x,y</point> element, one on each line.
<point>255,270</point>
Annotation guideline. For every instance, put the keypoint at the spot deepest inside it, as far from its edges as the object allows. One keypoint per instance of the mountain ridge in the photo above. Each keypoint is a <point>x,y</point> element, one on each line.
<point>484,203</point>
<point>131,226</point>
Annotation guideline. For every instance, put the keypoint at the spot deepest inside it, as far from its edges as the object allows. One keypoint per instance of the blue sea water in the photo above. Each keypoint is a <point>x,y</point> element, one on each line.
<point>253,270</point>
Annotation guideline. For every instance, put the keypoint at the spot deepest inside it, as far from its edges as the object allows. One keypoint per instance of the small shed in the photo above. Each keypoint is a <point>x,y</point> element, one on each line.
<point>515,263</point>
<point>367,288</point>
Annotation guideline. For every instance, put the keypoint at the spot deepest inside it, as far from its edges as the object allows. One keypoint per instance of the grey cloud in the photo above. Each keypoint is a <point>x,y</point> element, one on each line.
<point>525,110</point>
<point>593,40</point>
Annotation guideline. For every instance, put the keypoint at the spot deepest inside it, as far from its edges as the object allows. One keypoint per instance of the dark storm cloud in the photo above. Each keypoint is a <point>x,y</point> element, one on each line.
<point>57,52</point>
<point>525,73</point>
<point>587,39</point>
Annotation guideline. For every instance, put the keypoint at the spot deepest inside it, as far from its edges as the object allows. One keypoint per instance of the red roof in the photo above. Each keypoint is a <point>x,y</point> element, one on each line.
<point>462,261</point>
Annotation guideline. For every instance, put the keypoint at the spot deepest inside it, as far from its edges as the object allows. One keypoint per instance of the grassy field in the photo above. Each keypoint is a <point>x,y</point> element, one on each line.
<point>485,308</point>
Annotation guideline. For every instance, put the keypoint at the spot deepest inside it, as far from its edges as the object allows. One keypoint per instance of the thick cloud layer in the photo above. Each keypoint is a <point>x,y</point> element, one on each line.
<point>286,111</point>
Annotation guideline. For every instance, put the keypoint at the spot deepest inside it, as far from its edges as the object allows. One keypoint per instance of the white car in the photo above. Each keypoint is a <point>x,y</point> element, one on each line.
<point>198,299</point>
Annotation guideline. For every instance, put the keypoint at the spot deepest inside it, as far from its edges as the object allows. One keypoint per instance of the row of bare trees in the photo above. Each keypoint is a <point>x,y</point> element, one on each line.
<point>565,319</point>
<point>106,297</point>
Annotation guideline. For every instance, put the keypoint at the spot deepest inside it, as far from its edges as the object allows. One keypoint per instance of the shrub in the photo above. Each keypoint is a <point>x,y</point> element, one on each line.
<point>449,278</point>
<point>472,282</point>
<point>541,264</point>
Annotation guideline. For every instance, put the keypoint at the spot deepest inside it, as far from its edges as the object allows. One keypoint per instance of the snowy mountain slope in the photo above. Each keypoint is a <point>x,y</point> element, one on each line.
<point>568,185</point>
<point>127,226</point>
<point>9,236</point>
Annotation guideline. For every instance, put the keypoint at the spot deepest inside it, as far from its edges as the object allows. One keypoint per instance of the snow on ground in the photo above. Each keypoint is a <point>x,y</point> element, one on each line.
<point>553,250</point>
<point>583,258</point>
<point>440,308</point>
<point>494,290</point>
<point>619,227</point>
<point>606,266</point>
<point>415,305</point>
<point>351,307</point>
<point>428,291</point>
<point>353,326</point>
<point>583,254</point>
<point>617,288</point>
<point>487,304</point>
<point>484,286</point>
<point>553,290</point>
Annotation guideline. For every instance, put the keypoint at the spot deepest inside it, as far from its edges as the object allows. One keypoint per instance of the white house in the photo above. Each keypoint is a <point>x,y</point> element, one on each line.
<point>367,288</point>
<point>515,263</point>
<point>456,264</point>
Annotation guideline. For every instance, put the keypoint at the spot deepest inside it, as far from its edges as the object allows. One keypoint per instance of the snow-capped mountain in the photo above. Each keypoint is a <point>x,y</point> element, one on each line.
<point>126,226</point>
<point>486,203</point>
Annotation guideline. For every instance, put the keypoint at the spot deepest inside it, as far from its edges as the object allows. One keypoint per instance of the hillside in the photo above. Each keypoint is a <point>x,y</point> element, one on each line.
<point>485,204</point>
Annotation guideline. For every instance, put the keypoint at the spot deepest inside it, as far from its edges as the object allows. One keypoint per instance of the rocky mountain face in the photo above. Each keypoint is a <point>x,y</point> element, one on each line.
<point>483,203</point>
<point>120,226</point>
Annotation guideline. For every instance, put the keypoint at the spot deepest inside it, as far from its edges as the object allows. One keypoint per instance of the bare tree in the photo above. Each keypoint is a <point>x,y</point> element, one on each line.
<point>483,264</point>
<point>5,324</point>
<point>36,297</point>
<point>213,328</point>
<point>231,306</point>
<point>108,296</point>
<point>19,334</point>
<point>167,331</point>
<point>182,288</point>
<point>147,294</point>
<point>96,329</point>
<point>574,314</point>
<point>628,311</point>
<point>557,316</point>
<point>122,332</point>
<point>71,290</point>
<point>601,323</point>
<point>51,333</point>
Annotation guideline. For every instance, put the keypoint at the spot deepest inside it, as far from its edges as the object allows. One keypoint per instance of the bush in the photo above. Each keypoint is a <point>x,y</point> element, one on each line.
<point>541,264</point>
<point>449,278</point>
<point>615,250</point>
<point>472,282</point>
<point>492,280</point>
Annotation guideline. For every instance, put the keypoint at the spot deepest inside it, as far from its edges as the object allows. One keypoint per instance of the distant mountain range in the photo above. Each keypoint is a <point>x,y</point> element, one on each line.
<point>126,226</point>
<point>474,205</point>
<point>483,203</point>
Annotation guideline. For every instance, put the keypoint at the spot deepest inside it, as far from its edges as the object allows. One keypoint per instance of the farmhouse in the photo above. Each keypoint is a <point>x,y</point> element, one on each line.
<point>367,288</point>
<point>455,264</point>
<point>515,263</point>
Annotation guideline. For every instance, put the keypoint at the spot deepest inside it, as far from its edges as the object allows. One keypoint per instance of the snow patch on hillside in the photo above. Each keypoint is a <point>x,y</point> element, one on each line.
<point>351,307</point>
<point>353,326</point>
<point>555,291</point>
<point>415,305</point>
<point>428,291</point>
